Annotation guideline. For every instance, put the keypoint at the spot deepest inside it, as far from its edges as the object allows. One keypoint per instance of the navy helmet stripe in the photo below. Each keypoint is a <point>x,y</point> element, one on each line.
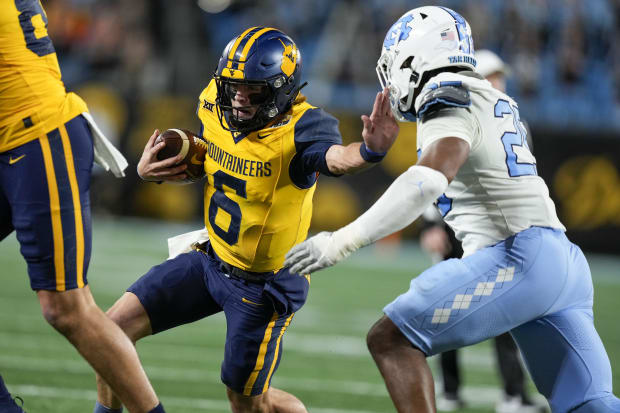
<point>237,54</point>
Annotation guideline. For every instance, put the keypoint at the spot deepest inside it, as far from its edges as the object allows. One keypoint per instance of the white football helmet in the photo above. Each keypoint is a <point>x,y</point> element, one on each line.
<point>423,39</point>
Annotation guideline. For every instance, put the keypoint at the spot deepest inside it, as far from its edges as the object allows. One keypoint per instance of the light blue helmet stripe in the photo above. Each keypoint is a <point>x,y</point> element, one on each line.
<point>465,39</point>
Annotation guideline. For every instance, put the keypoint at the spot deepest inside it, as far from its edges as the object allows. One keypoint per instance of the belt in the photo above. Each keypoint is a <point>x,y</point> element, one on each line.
<point>256,277</point>
<point>231,270</point>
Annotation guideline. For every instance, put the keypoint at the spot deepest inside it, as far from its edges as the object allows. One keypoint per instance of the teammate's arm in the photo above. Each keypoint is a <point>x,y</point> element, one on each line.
<point>380,131</point>
<point>404,201</point>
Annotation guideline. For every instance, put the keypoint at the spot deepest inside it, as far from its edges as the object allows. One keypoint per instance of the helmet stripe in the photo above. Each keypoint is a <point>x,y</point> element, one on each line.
<point>234,47</point>
<point>461,29</point>
<point>249,44</point>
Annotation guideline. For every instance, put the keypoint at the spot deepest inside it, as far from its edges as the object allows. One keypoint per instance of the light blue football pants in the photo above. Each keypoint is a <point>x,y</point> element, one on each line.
<point>535,284</point>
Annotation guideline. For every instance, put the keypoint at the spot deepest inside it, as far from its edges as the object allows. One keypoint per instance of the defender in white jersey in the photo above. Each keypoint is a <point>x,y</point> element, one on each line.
<point>484,204</point>
<point>519,272</point>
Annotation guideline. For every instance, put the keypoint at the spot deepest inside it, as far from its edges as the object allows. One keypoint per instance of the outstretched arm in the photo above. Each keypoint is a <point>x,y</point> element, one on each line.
<point>380,131</point>
<point>404,201</point>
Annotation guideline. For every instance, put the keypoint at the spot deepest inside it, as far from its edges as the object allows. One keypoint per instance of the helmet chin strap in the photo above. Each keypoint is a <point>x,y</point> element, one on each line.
<point>409,102</point>
<point>295,92</point>
<point>301,87</point>
<point>261,118</point>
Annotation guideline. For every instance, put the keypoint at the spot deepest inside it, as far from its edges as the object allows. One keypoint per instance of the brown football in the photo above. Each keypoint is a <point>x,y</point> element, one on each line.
<point>193,149</point>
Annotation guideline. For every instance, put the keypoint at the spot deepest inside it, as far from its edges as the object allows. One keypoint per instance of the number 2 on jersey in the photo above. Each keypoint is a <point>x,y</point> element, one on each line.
<point>512,139</point>
<point>220,200</point>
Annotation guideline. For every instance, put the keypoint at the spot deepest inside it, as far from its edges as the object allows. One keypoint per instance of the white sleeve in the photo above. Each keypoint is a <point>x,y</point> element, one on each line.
<point>452,122</point>
<point>431,214</point>
<point>404,201</point>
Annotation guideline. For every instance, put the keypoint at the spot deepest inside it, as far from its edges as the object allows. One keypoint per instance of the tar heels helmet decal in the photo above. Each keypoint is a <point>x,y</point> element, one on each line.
<point>270,62</point>
<point>422,40</point>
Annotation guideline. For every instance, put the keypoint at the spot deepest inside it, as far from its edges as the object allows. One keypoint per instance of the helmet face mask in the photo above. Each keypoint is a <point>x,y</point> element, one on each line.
<point>264,63</point>
<point>421,41</point>
<point>258,92</point>
<point>401,84</point>
<point>259,107</point>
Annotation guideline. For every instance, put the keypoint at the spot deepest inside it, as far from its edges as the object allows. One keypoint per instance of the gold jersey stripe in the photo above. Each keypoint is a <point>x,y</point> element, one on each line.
<point>233,49</point>
<point>260,360</point>
<point>249,44</point>
<point>275,356</point>
<point>77,207</point>
<point>59,254</point>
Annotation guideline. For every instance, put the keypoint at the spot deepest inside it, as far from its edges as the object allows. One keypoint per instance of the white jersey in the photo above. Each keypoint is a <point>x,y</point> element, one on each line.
<point>497,192</point>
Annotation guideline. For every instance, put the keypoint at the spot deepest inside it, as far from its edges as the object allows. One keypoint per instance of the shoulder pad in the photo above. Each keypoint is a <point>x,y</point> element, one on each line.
<point>441,95</point>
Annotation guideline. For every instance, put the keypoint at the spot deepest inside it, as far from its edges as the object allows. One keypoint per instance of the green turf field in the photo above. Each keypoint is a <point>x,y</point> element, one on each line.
<point>325,360</point>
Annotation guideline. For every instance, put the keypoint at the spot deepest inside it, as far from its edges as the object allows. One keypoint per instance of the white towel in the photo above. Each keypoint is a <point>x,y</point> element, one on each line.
<point>183,243</point>
<point>106,155</point>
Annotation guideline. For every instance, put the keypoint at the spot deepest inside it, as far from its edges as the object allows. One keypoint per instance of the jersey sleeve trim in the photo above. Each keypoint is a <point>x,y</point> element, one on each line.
<point>444,95</point>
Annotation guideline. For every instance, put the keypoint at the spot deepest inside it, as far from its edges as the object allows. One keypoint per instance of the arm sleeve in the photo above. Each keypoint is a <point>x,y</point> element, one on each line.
<point>404,201</point>
<point>315,132</point>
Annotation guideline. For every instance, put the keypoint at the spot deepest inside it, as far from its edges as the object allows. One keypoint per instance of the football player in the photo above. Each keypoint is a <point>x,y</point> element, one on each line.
<point>439,240</point>
<point>519,272</point>
<point>46,156</point>
<point>266,146</point>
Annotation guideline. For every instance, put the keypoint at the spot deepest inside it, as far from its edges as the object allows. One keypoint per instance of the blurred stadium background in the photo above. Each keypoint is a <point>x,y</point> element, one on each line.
<point>140,65</point>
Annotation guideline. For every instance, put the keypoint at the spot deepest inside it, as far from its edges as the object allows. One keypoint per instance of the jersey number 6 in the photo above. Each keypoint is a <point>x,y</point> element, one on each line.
<point>220,200</point>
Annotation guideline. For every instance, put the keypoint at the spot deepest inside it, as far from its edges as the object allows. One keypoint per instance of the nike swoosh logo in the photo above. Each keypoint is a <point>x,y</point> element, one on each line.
<point>195,161</point>
<point>12,161</point>
<point>263,136</point>
<point>245,300</point>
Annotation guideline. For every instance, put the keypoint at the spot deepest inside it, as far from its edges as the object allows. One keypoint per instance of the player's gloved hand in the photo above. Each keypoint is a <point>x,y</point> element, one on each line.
<point>320,251</point>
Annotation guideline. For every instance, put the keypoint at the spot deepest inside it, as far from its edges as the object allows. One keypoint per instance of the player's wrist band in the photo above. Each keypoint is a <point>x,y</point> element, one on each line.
<point>370,156</point>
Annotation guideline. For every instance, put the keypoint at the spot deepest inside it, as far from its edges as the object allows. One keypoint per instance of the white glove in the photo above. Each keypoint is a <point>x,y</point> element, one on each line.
<point>320,251</point>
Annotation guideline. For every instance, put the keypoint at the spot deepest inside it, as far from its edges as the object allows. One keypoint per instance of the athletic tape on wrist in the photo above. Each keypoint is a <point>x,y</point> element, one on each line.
<point>370,156</point>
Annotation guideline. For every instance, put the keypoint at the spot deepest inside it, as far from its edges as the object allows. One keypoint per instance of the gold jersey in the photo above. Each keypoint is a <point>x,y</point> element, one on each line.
<point>33,100</point>
<point>258,198</point>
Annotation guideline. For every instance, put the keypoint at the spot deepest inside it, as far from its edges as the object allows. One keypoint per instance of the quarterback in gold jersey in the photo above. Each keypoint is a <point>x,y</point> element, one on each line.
<point>266,146</point>
<point>46,157</point>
